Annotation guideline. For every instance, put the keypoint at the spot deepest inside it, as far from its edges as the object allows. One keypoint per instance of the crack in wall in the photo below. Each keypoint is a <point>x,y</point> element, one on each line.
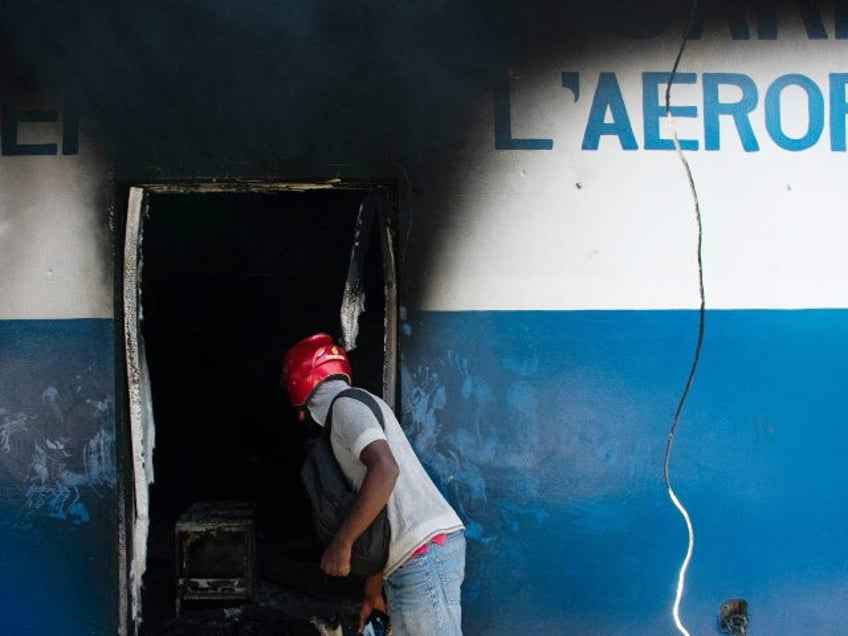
<point>681,579</point>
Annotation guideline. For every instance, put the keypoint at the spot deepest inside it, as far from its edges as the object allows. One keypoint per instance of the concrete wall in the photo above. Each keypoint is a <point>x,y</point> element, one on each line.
<point>542,204</point>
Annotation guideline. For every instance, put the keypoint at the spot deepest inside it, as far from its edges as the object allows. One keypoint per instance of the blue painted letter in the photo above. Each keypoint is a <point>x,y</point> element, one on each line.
<point>652,110</point>
<point>713,109</point>
<point>503,123</point>
<point>840,19</point>
<point>11,117</point>
<point>815,102</point>
<point>838,110</point>
<point>608,96</point>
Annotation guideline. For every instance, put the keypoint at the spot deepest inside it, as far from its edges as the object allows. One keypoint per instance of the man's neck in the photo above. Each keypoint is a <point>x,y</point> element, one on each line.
<point>319,403</point>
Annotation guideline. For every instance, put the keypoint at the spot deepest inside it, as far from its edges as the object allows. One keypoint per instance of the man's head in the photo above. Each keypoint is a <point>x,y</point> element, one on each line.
<point>310,362</point>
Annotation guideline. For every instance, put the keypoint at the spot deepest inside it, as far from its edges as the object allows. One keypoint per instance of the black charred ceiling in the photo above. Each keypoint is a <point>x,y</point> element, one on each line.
<point>205,87</point>
<point>189,87</point>
<point>195,84</point>
<point>176,89</point>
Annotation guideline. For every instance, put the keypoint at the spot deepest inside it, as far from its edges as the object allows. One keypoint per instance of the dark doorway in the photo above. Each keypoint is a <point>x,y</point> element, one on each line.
<point>228,281</point>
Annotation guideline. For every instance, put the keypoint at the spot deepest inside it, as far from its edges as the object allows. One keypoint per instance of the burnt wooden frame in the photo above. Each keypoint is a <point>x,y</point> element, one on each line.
<point>134,523</point>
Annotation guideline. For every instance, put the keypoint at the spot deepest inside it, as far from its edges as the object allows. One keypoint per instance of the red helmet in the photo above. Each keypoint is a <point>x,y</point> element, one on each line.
<point>309,362</point>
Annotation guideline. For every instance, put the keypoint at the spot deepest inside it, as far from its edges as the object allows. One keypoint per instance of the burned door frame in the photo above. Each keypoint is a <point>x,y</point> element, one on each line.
<point>379,203</point>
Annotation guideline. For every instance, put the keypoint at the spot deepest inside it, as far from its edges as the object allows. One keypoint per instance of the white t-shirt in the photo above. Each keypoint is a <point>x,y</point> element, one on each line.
<point>417,510</point>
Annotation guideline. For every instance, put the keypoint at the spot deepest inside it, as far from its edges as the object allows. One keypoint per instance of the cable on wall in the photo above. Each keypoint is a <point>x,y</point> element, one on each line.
<point>681,579</point>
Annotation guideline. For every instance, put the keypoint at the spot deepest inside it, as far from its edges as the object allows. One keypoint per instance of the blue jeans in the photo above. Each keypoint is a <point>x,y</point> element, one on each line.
<point>424,593</point>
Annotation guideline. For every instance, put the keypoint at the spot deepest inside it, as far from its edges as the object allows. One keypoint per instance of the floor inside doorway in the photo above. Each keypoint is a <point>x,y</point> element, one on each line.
<point>291,593</point>
<point>276,611</point>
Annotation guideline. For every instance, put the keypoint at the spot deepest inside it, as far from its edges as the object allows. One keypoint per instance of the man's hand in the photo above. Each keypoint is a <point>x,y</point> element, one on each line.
<point>336,558</point>
<point>373,600</point>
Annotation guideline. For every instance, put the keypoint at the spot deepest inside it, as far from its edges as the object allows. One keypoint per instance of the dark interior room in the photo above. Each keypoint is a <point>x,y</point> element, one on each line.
<point>229,281</point>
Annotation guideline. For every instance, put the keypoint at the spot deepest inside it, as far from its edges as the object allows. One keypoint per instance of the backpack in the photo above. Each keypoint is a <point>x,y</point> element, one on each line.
<point>332,498</point>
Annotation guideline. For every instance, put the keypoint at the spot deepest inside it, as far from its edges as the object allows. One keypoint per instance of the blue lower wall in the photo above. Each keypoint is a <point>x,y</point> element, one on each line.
<point>58,525</point>
<point>548,431</point>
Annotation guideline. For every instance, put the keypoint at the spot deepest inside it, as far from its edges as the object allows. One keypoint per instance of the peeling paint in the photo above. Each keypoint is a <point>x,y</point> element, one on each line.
<point>140,405</point>
<point>242,185</point>
<point>353,298</point>
<point>40,447</point>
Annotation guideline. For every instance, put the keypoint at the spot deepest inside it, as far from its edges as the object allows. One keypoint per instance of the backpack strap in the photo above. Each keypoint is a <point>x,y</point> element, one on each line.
<point>360,395</point>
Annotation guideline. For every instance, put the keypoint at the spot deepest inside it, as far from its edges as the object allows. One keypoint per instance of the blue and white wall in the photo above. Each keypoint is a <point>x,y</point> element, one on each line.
<point>549,282</point>
<point>552,344</point>
<point>58,470</point>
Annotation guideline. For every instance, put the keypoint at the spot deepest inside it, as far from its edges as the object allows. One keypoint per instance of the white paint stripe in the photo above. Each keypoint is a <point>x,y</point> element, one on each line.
<point>55,259</point>
<point>568,228</point>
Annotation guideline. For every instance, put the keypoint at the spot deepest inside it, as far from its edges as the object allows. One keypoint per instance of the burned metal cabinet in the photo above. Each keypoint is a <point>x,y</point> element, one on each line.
<point>215,552</point>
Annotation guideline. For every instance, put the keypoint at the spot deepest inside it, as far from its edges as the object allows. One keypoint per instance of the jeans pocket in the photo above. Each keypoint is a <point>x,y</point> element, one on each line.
<point>410,581</point>
<point>451,567</point>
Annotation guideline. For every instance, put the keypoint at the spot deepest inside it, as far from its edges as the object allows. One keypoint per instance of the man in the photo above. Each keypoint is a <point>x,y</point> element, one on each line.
<point>426,564</point>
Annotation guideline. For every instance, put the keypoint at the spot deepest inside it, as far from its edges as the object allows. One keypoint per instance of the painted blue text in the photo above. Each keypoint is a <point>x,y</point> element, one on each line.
<point>12,116</point>
<point>610,119</point>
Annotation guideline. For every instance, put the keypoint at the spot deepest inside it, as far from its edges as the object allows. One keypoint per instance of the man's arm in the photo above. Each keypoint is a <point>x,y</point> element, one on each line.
<point>380,477</point>
<point>373,600</point>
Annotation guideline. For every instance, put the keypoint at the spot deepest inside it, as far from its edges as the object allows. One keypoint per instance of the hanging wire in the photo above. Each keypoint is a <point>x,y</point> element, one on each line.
<point>681,578</point>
